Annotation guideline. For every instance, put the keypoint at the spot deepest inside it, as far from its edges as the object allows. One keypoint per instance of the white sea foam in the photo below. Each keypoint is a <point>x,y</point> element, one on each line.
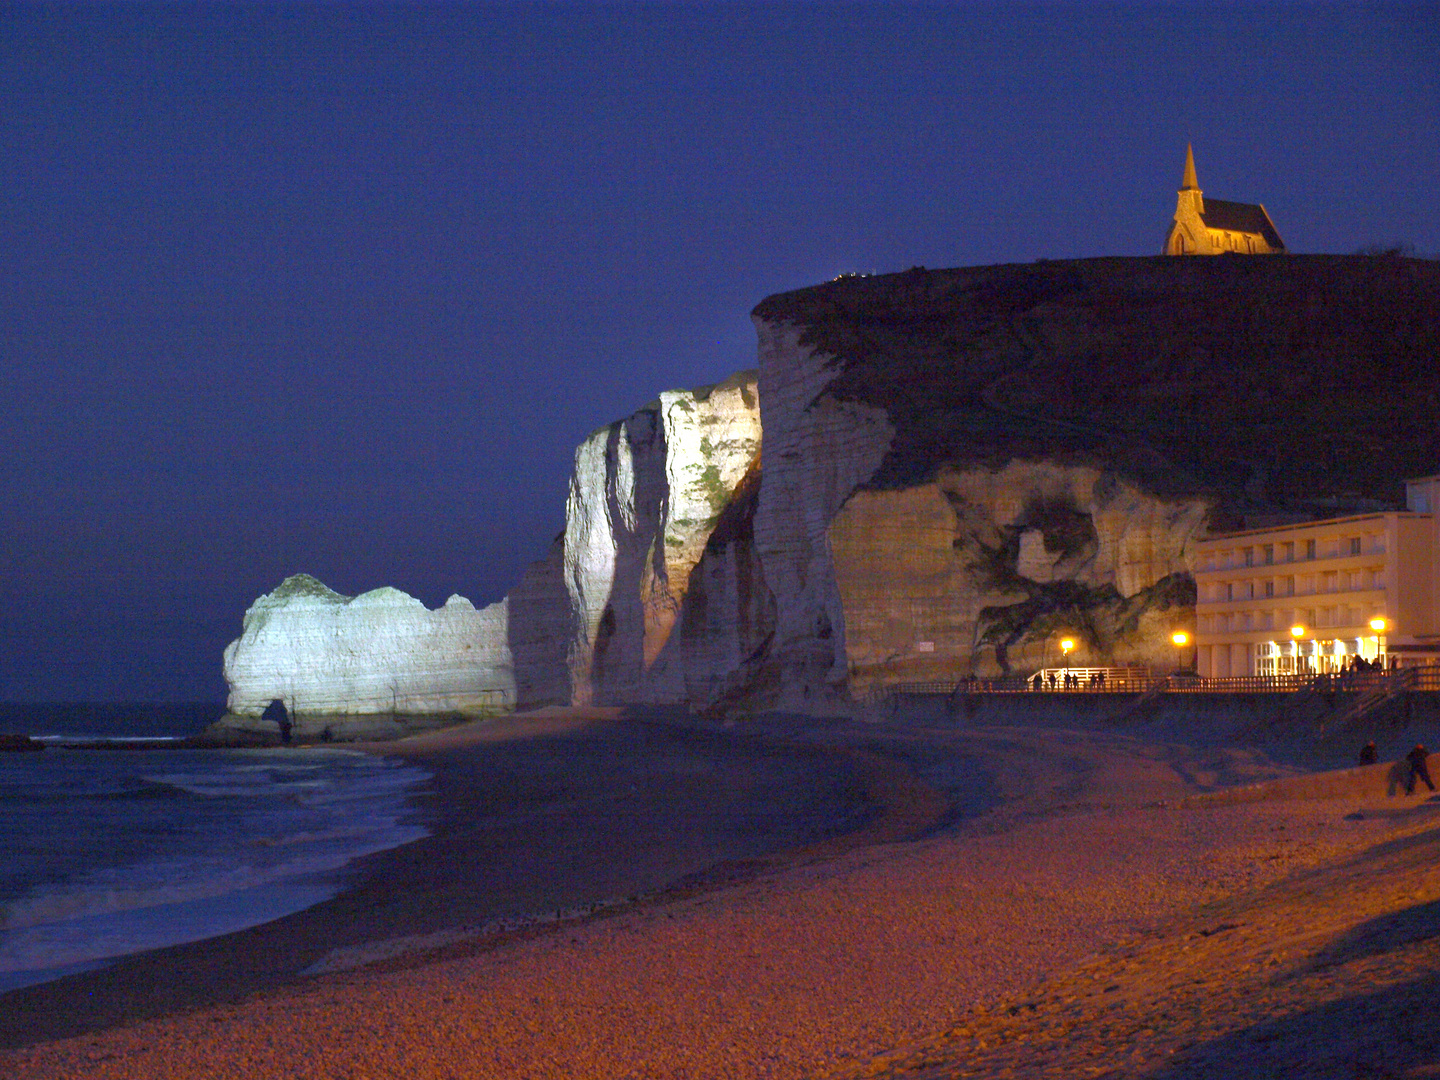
<point>245,837</point>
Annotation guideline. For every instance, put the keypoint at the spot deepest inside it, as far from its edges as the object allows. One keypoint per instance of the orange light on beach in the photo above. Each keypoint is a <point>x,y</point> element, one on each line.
<point>1180,638</point>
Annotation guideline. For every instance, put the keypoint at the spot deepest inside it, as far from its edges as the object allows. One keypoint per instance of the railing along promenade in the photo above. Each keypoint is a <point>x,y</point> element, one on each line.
<point>1142,680</point>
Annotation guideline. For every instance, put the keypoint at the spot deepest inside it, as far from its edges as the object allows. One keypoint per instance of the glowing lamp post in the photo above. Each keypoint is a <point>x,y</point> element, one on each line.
<point>1181,639</point>
<point>1066,644</point>
<point>1378,625</point>
<point>1297,632</point>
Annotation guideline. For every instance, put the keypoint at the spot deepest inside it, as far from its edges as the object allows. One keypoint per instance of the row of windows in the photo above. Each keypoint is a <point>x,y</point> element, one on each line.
<point>1340,615</point>
<point>1289,551</point>
<point>1233,241</point>
<point>1218,592</point>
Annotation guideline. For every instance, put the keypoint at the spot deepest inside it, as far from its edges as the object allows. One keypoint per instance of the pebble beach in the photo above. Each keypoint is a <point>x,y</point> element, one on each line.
<point>1014,901</point>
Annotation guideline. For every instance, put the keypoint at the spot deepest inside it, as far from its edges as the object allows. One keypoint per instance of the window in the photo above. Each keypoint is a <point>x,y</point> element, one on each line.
<point>1269,551</point>
<point>1269,588</point>
<point>1290,586</point>
<point>1355,545</point>
<point>1309,549</point>
<point>1289,550</point>
<point>1249,556</point>
<point>1229,591</point>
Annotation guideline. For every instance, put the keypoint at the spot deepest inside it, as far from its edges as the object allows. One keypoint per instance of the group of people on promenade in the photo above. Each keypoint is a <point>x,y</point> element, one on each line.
<point>1068,680</point>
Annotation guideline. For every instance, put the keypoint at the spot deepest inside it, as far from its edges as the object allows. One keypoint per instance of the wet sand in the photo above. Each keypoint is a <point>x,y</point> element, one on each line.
<point>813,958</point>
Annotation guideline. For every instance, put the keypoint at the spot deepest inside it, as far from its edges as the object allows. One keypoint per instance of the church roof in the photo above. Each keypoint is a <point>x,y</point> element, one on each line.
<point>1241,217</point>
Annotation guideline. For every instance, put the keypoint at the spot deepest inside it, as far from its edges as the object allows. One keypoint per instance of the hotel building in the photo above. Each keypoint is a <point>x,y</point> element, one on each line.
<point>1306,598</point>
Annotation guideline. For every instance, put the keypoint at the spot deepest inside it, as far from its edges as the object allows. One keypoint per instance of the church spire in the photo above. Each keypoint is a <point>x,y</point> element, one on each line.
<point>1189,183</point>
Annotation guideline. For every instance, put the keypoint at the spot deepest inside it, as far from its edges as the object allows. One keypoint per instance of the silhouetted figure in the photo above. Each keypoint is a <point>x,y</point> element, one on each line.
<point>1368,754</point>
<point>277,713</point>
<point>1418,769</point>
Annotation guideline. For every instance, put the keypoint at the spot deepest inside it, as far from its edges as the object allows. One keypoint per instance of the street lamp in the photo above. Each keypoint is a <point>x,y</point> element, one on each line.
<point>1181,639</point>
<point>1066,644</point>
<point>1297,632</point>
<point>1378,625</point>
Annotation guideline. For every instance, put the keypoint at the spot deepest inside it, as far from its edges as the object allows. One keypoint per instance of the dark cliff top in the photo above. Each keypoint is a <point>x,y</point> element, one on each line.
<point>1266,381</point>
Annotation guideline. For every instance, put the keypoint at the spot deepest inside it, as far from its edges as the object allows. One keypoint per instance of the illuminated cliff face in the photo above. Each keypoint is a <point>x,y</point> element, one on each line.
<point>985,570</point>
<point>381,653</point>
<point>646,496</point>
<point>974,569</point>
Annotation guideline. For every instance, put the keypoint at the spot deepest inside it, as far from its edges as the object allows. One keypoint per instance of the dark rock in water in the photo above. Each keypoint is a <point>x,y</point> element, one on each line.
<point>19,744</point>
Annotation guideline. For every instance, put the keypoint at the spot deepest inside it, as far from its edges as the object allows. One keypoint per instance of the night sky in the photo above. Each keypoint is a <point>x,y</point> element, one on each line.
<point>338,290</point>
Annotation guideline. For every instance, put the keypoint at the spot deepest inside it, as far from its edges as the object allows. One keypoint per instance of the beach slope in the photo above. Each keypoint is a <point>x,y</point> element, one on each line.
<point>1055,899</point>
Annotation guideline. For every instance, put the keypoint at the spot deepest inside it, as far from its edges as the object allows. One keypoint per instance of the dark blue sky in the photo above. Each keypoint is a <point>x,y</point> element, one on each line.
<point>339,289</point>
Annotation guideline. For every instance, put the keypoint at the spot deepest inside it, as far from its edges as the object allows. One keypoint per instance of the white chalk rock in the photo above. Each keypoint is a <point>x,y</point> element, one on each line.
<point>645,499</point>
<point>382,652</point>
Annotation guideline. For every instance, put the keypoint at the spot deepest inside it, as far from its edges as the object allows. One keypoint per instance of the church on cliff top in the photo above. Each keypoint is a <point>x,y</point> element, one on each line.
<point>1215,227</point>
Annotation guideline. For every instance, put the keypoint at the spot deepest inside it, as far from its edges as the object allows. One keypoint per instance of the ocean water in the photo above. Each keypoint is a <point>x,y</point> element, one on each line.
<point>104,853</point>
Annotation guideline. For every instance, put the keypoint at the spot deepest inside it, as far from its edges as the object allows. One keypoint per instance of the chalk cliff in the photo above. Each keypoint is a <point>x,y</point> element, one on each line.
<point>646,496</point>
<point>962,465</point>
<point>959,466</point>
<point>334,659</point>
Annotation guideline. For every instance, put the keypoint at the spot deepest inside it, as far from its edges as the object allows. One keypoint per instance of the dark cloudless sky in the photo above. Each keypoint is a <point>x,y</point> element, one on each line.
<point>338,289</point>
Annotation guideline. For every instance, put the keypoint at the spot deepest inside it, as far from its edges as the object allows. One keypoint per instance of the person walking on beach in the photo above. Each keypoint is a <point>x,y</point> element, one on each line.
<point>1418,769</point>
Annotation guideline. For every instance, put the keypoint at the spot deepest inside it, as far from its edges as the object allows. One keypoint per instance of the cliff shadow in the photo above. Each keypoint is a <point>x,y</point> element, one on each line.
<point>727,620</point>
<point>539,627</point>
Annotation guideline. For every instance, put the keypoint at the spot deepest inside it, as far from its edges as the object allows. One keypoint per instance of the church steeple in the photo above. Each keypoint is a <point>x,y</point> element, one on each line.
<point>1188,182</point>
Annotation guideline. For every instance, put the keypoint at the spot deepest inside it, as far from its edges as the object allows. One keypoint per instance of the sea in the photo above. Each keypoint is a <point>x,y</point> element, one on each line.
<point>144,844</point>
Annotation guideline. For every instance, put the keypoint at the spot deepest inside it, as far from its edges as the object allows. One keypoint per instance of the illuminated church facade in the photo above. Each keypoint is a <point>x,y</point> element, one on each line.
<point>1216,227</point>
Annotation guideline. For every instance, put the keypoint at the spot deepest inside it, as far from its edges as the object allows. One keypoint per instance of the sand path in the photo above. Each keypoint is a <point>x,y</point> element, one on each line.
<point>1079,899</point>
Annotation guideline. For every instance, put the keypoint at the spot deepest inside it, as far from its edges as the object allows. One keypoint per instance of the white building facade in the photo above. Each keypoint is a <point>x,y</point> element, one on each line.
<point>1308,598</point>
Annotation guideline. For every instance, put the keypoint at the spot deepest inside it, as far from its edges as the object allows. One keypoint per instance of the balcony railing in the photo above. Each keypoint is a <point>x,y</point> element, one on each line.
<point>1142,680</point>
